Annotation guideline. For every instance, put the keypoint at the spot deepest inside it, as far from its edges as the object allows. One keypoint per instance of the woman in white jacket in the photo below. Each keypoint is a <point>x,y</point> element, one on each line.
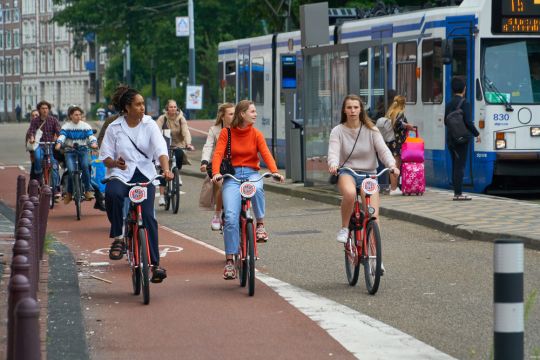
<point>224,118</point>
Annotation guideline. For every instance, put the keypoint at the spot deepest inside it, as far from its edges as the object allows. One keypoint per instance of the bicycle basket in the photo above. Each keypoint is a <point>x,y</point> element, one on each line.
<point>248,189</point>
<point>138,194</point>
<point>370,186</point>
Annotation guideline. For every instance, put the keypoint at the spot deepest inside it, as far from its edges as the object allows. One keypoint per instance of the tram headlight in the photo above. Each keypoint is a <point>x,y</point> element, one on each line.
<point>500,141</point>
<point>535,130</point>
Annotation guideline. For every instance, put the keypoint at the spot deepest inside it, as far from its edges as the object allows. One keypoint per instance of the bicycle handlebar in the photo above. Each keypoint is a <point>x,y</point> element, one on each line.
<point>265,175</point>
<point>363,176</point>
<point>104,181</point>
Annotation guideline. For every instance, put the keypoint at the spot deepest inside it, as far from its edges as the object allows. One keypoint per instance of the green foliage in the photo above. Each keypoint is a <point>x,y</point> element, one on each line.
<point>149,25</point>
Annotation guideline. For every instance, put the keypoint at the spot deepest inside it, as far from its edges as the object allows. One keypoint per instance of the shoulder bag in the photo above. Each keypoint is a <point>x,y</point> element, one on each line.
<point>226,164</point>
<point>37,137</point>
<point>333,179</point>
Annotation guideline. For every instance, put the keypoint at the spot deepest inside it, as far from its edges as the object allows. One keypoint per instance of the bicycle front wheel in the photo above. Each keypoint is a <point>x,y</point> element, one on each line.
<point>135,272</point>
<point>250,259</point>
<point>352,265</point>
<point>48,180</point>
<point>175,198</point>
<point>373,257</point>
<point>168,195</point>
<point>144,265</point>
<point>77,194</point>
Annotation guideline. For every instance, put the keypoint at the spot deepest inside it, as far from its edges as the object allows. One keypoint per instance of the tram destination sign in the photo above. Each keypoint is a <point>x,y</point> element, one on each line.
<point>515,17</point>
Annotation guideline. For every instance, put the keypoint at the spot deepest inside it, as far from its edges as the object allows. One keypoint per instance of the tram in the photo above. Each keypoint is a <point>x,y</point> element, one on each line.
<point>493,45</point>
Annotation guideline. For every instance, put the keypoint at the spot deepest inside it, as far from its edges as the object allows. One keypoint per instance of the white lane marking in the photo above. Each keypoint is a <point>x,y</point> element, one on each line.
<point>164,250</point>
<point>21,168</point>
<point>197,130</point>
<point>360,334</point>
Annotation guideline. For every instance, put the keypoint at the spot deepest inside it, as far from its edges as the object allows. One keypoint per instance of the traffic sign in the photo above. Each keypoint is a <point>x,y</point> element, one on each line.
<point>182,26</point>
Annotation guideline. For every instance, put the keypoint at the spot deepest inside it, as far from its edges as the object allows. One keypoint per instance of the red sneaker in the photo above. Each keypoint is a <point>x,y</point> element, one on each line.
<point>262,235</point>
<point>229,271</point>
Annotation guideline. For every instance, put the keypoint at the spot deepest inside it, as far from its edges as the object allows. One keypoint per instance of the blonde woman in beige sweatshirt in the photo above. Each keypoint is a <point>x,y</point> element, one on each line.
<point>362,156</point>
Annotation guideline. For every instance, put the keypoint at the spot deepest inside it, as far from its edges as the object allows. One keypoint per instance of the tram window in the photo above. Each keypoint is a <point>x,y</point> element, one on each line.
<point>459,58</point>
<point>230,77</point>
<point>364,75</point>
<point>257,80</point>
<point>406,71</point>
<point>432,71</point>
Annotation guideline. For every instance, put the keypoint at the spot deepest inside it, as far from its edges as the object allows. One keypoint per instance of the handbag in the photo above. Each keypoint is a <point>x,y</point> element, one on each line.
<point>333,179</point>
<point>37,137</point>
<point>226,164</point>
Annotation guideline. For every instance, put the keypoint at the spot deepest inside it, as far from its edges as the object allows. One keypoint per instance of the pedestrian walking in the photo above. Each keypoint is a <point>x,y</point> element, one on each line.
<point>459,147</point>
<point>18,112</point>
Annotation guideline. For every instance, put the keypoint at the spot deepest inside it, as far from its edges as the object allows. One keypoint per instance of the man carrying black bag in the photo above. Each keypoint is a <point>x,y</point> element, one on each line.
<point>459,145</point>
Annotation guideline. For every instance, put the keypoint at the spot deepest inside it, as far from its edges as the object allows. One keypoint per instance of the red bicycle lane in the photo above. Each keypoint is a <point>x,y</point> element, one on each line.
<point>193,314</point>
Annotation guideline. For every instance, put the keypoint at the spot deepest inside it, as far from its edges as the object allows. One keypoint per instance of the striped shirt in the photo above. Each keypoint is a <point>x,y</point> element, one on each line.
<point>80,133</point>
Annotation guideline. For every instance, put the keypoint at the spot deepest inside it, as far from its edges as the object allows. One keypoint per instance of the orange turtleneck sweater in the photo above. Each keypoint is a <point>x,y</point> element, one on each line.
<point>246,144</point>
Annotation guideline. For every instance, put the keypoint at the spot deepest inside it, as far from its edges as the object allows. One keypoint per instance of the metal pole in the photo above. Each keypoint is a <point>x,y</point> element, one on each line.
<point>128,63</point>
<point>191,43</point>
<point>4,95</point>
<point>97,67</point>
<point>508,300</point>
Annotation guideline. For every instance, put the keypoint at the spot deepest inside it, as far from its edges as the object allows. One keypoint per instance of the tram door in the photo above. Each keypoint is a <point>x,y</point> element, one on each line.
<point>243,73</point>
<point>459,31</point>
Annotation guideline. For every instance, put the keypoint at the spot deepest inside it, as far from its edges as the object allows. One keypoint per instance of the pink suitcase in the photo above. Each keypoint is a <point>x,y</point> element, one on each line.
<point>413,179</point>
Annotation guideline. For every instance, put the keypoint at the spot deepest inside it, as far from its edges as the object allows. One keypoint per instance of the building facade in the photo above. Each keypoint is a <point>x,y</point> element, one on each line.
<point>38,62</point>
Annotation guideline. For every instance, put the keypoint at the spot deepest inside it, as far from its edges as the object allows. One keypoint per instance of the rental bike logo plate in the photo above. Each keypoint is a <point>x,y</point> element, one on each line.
<point>138,194</point>
<point>163,250</point>
<point>370,186</point>
<point>248,189</point>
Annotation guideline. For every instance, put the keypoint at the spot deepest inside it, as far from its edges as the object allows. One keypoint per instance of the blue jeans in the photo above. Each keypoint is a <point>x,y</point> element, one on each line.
<point>232,202</point>
<point>81,154</point>
<point>39,154</point>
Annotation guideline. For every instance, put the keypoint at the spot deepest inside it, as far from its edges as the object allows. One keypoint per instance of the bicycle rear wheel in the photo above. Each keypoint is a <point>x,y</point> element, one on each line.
<point>352,265</point>
<point>175,198</point>
<point>373,258</point>
<point>144,265</point>
<point>48,180</point>
<point>168,193</point>
<point>242,267</point>
<point>77,194</point>
<point>135,272</point>
<point>250,259</point>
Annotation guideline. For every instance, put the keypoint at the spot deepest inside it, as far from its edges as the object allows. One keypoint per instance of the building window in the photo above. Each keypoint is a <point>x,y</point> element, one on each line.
<point>1,39</point>
<point>406,70</point>
<point>16,65</point>
<point>41,6</point>
<point>16,15</point>
<point>16,39</point>
<point>9,66</point>
<point>17,91</point>
<point>257,80</point>
<point>42,62</point>
<point>50,32</point>
<point>2,66</point>
<point>432,71</point>
<point>42,32</point>
<point>50,63</point>
<point>57,60</point>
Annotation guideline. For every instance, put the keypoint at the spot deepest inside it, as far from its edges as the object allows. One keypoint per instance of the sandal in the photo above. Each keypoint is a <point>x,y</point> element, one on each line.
<point>461,198</point>
<point>116,252</point>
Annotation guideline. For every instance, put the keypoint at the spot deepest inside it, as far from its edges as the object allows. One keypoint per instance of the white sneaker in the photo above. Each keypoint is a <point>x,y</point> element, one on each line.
<point>342,235</point>
<point>216,223</point>
<point>383,270</point>
<point>395,192</point>
<point>180,180</point>
<point>161,201</point>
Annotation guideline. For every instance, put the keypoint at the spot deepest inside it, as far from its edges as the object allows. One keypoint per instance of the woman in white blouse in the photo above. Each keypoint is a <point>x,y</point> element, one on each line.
<point>355,143</point>
<point>131,143</point>
<point>224,118</point>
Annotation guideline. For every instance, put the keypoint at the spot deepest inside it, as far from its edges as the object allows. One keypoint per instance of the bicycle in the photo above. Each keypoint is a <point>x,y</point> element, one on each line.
<point>172,189</point>
<point>244,260</point>
<point>48,173</point>
<point>364,245</point>
<point>137,251</point>
<point>78,187</point>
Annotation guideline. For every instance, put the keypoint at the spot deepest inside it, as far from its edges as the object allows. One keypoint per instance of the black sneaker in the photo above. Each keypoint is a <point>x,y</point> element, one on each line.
<point>158,274</point>
<point>100,206</point>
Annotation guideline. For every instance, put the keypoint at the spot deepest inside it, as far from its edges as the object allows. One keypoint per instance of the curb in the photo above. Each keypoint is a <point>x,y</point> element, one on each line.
<point>335,199</point>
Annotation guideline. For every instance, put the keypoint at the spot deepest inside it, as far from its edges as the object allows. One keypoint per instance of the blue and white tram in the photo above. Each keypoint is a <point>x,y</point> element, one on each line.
<point>494,45</point>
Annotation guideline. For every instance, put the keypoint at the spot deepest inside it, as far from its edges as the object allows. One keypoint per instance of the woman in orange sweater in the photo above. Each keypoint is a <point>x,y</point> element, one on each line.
<point>246,144</point>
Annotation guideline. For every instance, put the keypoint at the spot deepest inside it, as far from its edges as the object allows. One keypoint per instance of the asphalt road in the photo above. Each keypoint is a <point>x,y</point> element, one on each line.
<point>437,288</point>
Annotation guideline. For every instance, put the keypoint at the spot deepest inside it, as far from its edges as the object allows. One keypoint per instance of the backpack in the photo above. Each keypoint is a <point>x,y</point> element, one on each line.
<point>387,130</point>
<point>455,123</point>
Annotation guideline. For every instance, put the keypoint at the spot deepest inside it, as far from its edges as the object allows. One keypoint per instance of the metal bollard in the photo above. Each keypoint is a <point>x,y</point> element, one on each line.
<point>18,288</point>
<point>27,344</point>
<point>508,298</point>
<point>45,198</point>
<point>20,265</point>
<point>33,188</point>
<point>21,190</point>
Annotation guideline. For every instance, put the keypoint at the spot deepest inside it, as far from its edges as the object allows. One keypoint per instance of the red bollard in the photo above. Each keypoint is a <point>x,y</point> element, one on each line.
<point>18,288</point>
<point>21,190</point>
<point>27,345</point>
<point>44,200</point>
<point>33,189</point>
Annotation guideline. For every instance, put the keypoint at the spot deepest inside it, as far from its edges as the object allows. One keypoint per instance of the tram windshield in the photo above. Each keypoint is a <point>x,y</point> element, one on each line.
<point>511,71</point>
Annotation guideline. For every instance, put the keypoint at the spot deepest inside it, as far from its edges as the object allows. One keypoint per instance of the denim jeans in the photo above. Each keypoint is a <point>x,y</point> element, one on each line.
<point>39,154</point>
<point>80,153</point>
<point>232,202</point>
